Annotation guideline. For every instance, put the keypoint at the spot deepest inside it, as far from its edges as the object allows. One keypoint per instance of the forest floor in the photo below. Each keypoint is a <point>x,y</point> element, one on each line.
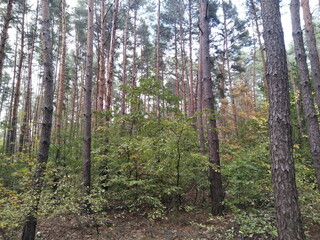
<point>122,226</point>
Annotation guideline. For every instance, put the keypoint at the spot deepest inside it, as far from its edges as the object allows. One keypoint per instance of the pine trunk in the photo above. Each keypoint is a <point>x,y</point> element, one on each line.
<point>102,67</point>
<point>191,98</point>
<point>282,167</point>
<point>313,50</point>
<point>86,151</point>
<point>111,55</point>
<point>31,220</point>
<point>14,119</point>
<point>216,189</point>
<point>263,58</point>
<point>124,62</point>
<point>25,126</point>
<point>158,60</point>
<point>61,83</point>
<point>4,36</point>
<point>306,90</point>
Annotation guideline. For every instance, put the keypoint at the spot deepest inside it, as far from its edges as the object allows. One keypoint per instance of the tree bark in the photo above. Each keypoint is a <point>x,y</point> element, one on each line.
<point>191,98</point>
<point>288,215</point>
<point>86,152</point>
<point>263,58</point>
<point>31,221</point>
<point>199,108</point>
<point>4,35</point>
<point>25,126</point>
<point>216,189</point>
<point>102,67</point>
<point>306,90</point>
<point>14,119</point>
<point>124,62</point>
<point>313,50</point>
<point>9,121</point>
<point>61,82</point>
<point>111,55</point>
<point>158,59</point>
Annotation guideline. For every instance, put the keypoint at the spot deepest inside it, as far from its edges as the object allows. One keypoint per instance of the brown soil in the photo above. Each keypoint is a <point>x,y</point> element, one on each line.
<point>177,226</point>
<point>122,226</point>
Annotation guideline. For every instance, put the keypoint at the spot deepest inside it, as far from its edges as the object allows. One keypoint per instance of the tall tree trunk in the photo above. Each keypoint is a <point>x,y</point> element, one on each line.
<point>158,60</point>
<point>124,62</point>
<point>75,94</point>
<point>86,151</point>
<point>61,82</point>
<point>25,126</point>
<point>134,60</point>
<point>4,35</point>
<point>182,59</point>
<point>9,122</point>
<point>31,220</point>
<point>263,59</point>
<point>306,91</point>
<point>192,98</point>
<point>282,167</point>
<point>216,190</point>
<point>102,67</point>
<point>199,107</point>
<point>313,50</point>
<point>177,81</point>
<point>227,62</point>
<point>14,119</point>
<point>111,55</point>
<point>298,103</point>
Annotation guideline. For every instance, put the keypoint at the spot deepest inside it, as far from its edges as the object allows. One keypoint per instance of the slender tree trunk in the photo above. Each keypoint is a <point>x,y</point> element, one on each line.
<point>158,60</point>
<point>199,108</point>
<point>282,166</point>
<point>306,91</point>
<point>111,55</point>
<point>86,151</point>
<point>227,62</point>
<point>61,82</point>
<point>14,120</point>
<point>298,104</point>
<point>192,98</point>
<point>313,50</point>
<point>124,62</point>
<point>4,35</point>
<point>182,59</point>
<point>263,59</point>
<point>134,60</point>
<point>25,126</point>
<point>31,220</point>
<point>177,89</point>
<point>75,94</point>
<point>8,130</point>
<point>102,68</point>
<point>216,189</point>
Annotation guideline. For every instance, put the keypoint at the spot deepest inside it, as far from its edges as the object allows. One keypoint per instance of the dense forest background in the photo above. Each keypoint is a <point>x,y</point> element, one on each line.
<point>153,112</point>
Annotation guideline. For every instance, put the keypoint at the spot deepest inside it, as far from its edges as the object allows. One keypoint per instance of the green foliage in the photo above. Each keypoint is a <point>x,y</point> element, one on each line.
<point>155,167</point>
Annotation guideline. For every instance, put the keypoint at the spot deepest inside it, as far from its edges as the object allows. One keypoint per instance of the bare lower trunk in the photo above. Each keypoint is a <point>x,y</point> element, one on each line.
<point>216,189</point>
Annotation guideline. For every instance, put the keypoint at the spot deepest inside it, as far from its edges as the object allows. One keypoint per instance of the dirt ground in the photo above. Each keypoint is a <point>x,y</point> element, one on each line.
<point>121,226</point>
